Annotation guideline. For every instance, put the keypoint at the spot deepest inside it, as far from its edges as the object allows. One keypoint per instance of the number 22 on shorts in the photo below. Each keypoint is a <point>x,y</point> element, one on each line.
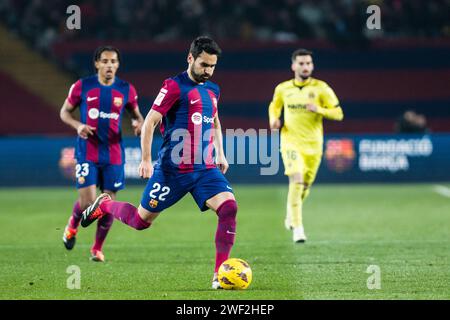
<point>156,188</point>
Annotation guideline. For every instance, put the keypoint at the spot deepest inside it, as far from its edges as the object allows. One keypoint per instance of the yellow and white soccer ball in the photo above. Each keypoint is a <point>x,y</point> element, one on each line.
<point>234,274</point>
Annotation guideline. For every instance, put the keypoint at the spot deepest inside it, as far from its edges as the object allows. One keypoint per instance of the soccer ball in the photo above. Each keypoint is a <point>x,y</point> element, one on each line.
<point>235,274</point>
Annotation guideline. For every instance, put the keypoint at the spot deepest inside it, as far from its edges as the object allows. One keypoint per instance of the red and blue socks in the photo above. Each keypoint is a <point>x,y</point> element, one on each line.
<point>226,231</point>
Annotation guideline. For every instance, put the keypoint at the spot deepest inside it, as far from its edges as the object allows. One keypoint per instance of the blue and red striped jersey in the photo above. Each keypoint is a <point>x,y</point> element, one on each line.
<point>101,107</point>
<point>188,110</point>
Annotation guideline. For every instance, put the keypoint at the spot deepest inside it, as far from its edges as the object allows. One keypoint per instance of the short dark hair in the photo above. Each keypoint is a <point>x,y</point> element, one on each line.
<point>301,52</point>
<point>98,52</point>
<point>204,43</point>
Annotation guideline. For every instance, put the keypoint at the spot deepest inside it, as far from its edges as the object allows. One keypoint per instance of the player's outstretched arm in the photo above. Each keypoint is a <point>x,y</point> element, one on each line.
<point>330,108</point>
<point>151,121</point>
<point>335,113</point>
<point>65,114</point>
<point>221,160</point>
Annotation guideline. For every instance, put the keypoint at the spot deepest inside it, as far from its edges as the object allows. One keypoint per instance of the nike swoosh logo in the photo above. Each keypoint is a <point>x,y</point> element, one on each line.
<point>91,98</point>
<point>228,187</point>
<point>194,101</point>
<point>229,232</point>
<point>117,184</point>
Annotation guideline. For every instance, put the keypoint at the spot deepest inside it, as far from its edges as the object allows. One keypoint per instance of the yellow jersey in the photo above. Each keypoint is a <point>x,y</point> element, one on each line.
<point>301,127</point>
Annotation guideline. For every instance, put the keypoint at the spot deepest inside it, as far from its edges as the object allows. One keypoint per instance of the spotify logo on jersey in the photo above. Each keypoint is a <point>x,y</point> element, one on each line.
<point>93,113</point>
<point>196,118</point>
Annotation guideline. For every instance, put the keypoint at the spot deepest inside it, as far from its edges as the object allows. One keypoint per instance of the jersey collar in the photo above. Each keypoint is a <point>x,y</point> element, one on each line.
<point>301,84</point>
<point>106,86</point>
<point>192,81</point>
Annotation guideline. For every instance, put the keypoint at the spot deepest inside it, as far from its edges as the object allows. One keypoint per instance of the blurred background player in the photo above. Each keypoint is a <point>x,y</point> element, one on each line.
<point>305,101</point>
<point>186,102</point>
<point>100,156</point>
<point>411,122</point>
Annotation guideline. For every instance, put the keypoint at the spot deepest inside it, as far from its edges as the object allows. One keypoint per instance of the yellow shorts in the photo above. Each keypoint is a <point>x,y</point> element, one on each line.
<point>296,161</point>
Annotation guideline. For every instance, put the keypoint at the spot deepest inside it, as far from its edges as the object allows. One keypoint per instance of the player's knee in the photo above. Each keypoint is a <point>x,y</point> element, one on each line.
<point>296,178</point>
<point>146,216</point>
<point>227,210</point>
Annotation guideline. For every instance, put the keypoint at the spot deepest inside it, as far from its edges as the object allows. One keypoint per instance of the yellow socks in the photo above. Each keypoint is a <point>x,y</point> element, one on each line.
<point>305,193</point>
<point>295,202</point>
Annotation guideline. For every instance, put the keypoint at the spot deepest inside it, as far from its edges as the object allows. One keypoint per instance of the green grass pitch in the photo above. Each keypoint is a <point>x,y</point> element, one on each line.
<point>403,229</point>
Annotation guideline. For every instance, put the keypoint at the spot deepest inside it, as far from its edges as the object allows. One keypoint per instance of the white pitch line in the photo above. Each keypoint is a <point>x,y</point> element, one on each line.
<point>442,190</point>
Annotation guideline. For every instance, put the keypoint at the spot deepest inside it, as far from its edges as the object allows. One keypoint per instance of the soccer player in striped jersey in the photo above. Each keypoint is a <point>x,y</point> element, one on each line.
<point>101,99</point>
<point>186,109</point>
<point>306,101</point>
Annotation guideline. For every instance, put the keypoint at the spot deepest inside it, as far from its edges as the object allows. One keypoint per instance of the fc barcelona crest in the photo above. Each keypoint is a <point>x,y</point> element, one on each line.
<point>153,203</point>
<point>118,101</point>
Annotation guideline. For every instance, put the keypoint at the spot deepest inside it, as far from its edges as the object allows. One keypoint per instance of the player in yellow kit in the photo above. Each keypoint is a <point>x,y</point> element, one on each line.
<point>306,101</point>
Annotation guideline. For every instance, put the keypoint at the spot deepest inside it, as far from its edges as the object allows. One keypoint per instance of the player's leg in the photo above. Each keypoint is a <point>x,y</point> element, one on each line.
<point>213,191</point>
<point>294,167</point>
<point>312,163</point>
<point>225,206</point>
<point>86,177</point>
<point>137,218</point>
<point>306,191</point>
<point>160,193</point>
<point>295,205</point>
<point>75,218</point>
<point>111,180</point>
<point>86,197</point>
<point>104,224</point>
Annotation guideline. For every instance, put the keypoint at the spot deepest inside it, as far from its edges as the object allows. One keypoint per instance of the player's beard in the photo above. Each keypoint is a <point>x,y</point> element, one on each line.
<point>198,77</point>
<point>304,76</point>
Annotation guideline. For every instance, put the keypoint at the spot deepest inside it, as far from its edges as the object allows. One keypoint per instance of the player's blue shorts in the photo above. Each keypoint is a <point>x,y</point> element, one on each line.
<point>106,176</point>
<point>165,188</point>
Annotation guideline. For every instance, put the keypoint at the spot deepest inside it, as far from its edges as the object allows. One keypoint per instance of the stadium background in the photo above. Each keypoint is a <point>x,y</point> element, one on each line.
<point>377,75</point>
